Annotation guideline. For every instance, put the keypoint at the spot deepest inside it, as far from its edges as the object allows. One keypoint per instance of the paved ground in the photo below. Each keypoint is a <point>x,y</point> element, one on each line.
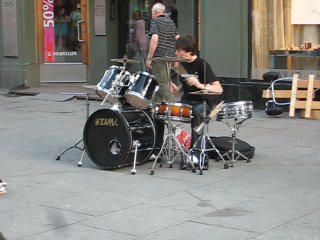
<point>276,196</point>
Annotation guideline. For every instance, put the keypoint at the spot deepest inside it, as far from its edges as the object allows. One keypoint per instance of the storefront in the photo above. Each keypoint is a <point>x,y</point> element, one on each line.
<point>67,30</point>
<point>286,37</point>
<point>73,41</point>
<point>67,41</point>
<point>62,36</point>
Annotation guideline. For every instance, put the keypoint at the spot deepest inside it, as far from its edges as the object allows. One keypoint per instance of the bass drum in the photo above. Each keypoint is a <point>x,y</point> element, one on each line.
<point>110,136</point>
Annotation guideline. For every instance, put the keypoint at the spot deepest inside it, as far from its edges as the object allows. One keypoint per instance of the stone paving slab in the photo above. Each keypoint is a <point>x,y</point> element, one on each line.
<point>275,196</point>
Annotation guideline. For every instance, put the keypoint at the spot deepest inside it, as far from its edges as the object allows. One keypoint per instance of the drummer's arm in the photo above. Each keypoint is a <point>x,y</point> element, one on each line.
<point>174,88</point>
<point>214,87</point>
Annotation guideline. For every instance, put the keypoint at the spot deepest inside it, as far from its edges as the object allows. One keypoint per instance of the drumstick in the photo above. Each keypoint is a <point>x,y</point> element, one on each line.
<point>211,115</point>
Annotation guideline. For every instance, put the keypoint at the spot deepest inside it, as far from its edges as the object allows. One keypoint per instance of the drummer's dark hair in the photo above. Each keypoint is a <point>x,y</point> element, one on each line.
<point>186,43</point>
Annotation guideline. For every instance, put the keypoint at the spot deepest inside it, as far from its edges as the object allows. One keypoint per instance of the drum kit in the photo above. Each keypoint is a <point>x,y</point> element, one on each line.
<point>125,134</point>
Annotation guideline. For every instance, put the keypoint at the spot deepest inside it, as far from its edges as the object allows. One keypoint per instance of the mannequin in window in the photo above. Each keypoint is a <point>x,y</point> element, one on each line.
<point>61,28</point>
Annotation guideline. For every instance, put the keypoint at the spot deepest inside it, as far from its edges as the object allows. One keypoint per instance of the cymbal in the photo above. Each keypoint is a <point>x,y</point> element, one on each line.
<point>204,92</point>
<point>168,59</point>
<point>124,60</point>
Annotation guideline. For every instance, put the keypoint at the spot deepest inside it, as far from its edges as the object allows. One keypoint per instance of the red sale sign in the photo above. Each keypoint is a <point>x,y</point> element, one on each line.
<point>48,30</point>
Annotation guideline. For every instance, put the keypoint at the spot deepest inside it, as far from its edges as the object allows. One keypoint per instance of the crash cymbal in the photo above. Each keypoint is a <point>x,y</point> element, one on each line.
<point>168,59</point>
<point>204,92</point>
<point>124,60</point>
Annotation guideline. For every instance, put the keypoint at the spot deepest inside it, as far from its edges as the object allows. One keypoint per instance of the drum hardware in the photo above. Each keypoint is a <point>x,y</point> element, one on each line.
<point>136,144</point>
<point>124,60</point>
<point>238,112</point>
<point>76,145</point>
<point>169,148</point>
<point>170,139</point>
<point>204,139</point>
<point>168,59</point>
<point>235,154</point>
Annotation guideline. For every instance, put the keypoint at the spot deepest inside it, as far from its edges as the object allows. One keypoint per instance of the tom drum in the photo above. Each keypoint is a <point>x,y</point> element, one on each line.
<point>141,93</point>
<point>178,111</point>
<point>113,84</point>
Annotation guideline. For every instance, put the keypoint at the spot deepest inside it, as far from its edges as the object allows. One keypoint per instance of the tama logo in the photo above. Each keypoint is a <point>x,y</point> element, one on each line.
<point>107,122</point>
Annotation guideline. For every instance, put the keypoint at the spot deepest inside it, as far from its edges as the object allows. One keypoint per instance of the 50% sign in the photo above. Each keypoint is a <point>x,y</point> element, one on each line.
<point>48,30</point>
<point>48,13</point>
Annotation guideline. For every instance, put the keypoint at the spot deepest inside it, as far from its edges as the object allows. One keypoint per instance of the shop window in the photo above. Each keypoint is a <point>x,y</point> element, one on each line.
<point>285,37</point>
<point>61,27</point>
<point>139,22</point>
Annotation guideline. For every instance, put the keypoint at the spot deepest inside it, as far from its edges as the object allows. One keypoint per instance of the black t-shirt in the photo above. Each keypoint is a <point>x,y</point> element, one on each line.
<point>200,69</point>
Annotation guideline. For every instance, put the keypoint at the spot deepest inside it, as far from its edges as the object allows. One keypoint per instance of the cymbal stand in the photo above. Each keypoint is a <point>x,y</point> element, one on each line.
<point>204,139</point>
<point>235,154</point>
<point>170,139</point>
<point>76,145</point>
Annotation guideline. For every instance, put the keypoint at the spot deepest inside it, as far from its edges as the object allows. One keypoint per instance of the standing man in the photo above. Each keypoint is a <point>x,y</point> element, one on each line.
<point>163,34</point>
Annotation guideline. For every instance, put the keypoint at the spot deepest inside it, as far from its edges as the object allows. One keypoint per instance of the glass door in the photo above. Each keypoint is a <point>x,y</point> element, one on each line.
<point>64,28</point>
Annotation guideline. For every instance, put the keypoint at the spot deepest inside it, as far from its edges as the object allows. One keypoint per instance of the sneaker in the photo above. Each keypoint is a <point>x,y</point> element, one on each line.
<point>3,187</point>
<point>153,157</point>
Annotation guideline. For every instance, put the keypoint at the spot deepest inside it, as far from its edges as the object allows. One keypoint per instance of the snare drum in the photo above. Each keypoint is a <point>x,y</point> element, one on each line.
<point>241,109</point>
<point>179,111</point>
<point>141,93</point>
<point>110,88</point>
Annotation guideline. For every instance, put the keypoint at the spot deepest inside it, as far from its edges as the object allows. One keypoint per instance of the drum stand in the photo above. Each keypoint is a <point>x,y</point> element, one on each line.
<point>235,154</point>
<point>173,145</point>
<point>204,139</point>
<point>170,139</point>
<point>136,144</point>
<point>76,145</point>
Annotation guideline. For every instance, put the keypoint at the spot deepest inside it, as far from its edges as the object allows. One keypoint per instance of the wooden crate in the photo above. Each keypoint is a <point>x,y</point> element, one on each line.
<point>301,97</point>
<point>307,104</point>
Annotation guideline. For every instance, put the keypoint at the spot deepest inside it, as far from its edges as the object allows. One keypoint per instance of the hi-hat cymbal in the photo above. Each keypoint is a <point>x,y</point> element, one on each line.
<point>124,60</point>
<point>204,92</point>
<point>168,59</point>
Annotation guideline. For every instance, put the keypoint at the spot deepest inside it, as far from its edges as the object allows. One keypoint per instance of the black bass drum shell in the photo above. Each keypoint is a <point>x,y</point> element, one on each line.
<point>109,137</point>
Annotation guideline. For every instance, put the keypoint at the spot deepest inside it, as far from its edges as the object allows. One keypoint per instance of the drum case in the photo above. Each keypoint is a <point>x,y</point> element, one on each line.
<point>224,144</point>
